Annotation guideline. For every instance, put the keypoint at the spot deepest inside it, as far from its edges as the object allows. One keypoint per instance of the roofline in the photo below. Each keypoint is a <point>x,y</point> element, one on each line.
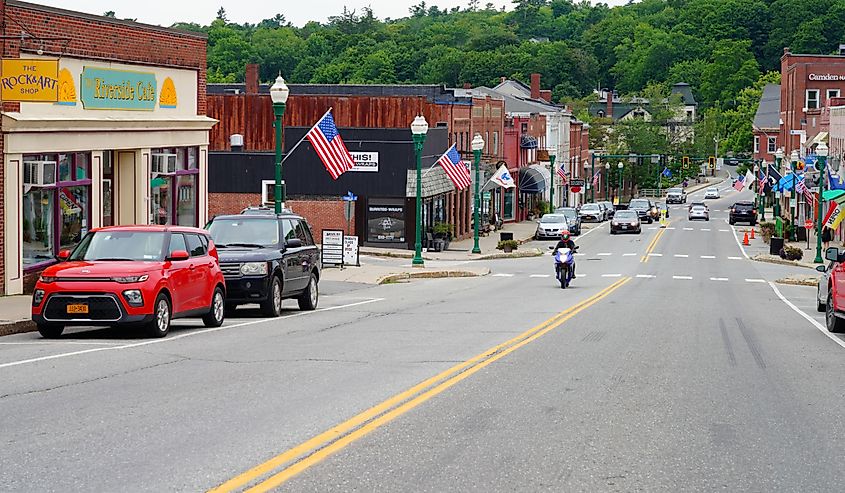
<point>101,18</point>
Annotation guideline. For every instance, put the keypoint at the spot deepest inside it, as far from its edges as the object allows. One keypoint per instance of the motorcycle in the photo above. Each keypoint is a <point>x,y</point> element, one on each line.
<point>564,265</point>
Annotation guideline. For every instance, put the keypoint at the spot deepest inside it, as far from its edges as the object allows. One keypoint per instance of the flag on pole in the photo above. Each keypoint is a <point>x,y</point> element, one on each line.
<point>561,171</point>
<point>666,172</point>
<point>503,178</point>
<point>329,146</point>
<point>774,177</point>
<point>739,184</point>
<point>834,181</point>
<point>801,187</point>
<point>831,214</point>
<point>761,181</point>
<point>749,179</point>
<point>455,168</point>
<point>596,179</point>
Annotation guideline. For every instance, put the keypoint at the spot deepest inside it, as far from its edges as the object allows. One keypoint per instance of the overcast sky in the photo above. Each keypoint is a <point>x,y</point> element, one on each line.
<point>166,12</point>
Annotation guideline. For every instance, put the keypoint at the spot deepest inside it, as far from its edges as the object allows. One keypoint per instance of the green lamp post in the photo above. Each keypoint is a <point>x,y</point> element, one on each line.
<point>477,146</point>
<point>621,166</point>
<point>279,95</point>
<point>794,157</point>
<point>778,160</point>
<point>821,153</point>
<point>419,127</point>
<point>552,155</point>
<point>764,167</point>
<point>606,181</point>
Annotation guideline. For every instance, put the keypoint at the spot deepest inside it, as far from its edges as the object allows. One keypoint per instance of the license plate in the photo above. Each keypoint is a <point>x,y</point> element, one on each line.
<point>624,227</point>
<point>77,308</point>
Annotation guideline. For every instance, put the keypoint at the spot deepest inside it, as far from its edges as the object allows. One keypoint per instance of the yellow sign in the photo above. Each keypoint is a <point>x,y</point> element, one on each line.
<point>167,98</point>
<point>67,89</point>
<point>30,80</point>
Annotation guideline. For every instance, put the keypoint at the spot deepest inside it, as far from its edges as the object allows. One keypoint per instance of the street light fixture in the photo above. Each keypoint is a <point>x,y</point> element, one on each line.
<point>552,155</point>
<point>794,157</point>
<point>764,169</point>
<point>419,128</point>
<point>621,166</point>
<point>477,146</point>
<point>821,153</point>
<point>279,95</point>
<point>778,159</point>
<point>606,181</point>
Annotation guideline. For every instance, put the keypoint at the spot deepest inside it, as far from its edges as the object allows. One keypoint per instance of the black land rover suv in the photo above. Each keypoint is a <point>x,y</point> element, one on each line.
<point>743,211</point>
<point>266,258</point>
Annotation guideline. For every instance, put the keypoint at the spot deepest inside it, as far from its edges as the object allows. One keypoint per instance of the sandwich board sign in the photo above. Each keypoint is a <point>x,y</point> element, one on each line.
<point>332,247</point>
<point>350,251</point>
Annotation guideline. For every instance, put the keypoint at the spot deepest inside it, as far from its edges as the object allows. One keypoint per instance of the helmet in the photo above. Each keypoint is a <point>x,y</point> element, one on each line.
<point>564,235</point>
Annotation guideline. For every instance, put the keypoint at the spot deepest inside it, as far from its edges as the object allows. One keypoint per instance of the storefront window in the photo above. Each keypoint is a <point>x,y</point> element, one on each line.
<point>73,204</point>
<point>186,196</point>
<point>56,214</point>
<point>38,240</point>
<point>386,222</point>
<point>173,186</point>
<point>507,213</point>
<point>108,192</point>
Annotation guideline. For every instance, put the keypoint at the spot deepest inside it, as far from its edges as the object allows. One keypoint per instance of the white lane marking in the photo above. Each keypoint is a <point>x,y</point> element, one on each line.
<point>687,278</point>
<point>575,239</point>
<point>59,343</point>
<point>580,275</point>
<point>502,275</point>
<point>653,228</point>
<point>681,255</point>
<point>755,280</point>
<point>718,278</point>
<point>734,258</point>
<point>688,229</point>
<point>629,254</point>
<point>645,276</point>
<point>540,275</point>
<point>708,256</point>
<point>580,254</point>
<point>810,319</point>
<point>705,229</point>
<point>611,275</point>
<point>738,243</point>
<point>670,228</point>
<point>182,336</point>
<point>655,254</point>
<point>724,231</point>
<point>604,254</point>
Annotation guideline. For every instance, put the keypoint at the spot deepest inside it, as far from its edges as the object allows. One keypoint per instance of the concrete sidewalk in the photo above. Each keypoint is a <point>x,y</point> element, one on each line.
<point>15,314</point>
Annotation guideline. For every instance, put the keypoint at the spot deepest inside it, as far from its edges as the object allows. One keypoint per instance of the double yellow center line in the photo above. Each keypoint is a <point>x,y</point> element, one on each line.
<point>312,451</point>
<point>652,244</point>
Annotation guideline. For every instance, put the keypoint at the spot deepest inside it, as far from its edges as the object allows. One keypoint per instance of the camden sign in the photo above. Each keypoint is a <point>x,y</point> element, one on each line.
<point>826,77</point>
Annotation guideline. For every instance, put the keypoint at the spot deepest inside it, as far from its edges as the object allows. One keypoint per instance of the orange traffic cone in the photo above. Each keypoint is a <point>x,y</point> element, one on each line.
<point>752,233</point>
<point>745,240</point>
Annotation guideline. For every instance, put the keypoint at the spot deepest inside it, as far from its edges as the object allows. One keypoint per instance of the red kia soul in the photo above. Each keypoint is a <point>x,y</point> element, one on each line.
<point>132,275</point>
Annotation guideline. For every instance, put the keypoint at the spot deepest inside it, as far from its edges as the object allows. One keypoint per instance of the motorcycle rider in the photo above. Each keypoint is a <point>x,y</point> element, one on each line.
<point>566,242</point>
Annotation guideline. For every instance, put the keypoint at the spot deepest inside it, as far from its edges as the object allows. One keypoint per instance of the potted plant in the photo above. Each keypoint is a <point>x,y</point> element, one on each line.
<point>507,245</point>
<point>443,231</point>
<point>767,229</point>
<point>791,253</point>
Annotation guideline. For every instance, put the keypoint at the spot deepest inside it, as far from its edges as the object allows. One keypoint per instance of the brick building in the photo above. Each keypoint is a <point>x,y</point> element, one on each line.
<point>766,125</point>
<point>246,109</point>
<point>116,132</point>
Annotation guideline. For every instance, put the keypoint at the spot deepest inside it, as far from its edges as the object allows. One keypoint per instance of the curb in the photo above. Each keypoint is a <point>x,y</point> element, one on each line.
<point>20,327</point>
<point>771,259</point>
<point>517,254</point>
<point>392,254</point>
<point>436,274</point>
<point>798,282</point>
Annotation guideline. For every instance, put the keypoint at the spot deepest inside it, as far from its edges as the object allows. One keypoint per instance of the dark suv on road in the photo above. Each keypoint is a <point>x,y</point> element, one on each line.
<point>266,258</point>
<point>743,211</point>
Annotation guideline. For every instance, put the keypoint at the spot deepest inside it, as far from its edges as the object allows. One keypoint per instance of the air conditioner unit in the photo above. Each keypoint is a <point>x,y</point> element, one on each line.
<point>164,164</point>
<point>39,173</point>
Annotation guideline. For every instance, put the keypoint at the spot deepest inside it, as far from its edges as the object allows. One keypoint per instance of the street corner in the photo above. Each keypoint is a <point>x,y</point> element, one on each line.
<point>432,274</point>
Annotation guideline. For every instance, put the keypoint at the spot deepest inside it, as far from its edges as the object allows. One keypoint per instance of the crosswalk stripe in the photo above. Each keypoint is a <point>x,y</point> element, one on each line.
<point>580,275</point>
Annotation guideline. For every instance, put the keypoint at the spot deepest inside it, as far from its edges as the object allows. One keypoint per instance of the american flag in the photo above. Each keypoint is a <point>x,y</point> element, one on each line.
<point>740,183</point>
<point>761,181</point>
<point>329,146</point>
<point>596,178</point>
<point>455,169</point>
<point>801,188</point>
<point>562,173</point>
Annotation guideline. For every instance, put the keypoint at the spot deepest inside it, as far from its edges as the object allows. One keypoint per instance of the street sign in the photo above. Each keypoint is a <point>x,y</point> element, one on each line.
<point>808,224</point>
<point>349,197</point>
<point>575,189</point>
<point>796,132</point>
<point>486,195</point>
<point>350,251</point>
<point>576,182</point>
<point>332,247</point>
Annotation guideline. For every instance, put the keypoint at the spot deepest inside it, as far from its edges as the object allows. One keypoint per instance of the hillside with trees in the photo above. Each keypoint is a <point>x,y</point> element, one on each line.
<point>725,49</point>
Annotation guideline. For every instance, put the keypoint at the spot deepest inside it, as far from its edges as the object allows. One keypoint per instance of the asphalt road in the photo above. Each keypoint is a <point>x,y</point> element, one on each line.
<point>672,363</point>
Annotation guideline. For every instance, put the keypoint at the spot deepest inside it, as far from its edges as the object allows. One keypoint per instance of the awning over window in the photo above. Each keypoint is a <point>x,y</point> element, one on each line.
<point>531,180</point>
<point>818,139</point>
<point>528,142</point>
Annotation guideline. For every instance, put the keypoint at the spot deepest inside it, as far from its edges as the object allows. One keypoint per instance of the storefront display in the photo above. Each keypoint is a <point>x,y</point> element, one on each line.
<point>386,223</point>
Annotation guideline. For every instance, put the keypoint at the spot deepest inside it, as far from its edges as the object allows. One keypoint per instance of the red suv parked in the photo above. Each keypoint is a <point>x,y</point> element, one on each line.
<point>132,275</point>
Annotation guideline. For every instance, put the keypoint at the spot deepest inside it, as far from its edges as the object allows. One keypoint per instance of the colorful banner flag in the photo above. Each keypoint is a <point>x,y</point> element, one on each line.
<point>503,178</point>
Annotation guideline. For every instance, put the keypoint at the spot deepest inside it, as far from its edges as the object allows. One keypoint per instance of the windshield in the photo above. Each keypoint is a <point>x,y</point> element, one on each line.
<point>626,215</point>
<point>553,218</point>
<point>121,245</point>
<point>568,212</point>
<point>590,207</point>
<point>698,208</point>
<point>639,203</point>
<point>244,231</point>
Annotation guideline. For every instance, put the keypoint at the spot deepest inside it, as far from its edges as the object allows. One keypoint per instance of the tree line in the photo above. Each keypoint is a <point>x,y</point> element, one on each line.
<point>725,49</point>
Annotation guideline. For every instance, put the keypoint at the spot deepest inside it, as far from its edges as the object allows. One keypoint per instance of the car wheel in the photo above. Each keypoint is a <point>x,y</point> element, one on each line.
<point>612,231</point>
<point>160,325</point>
<point>820,307</point>
<point>833,323</point>
<point>50,331</point>
<point>272,306</point>
<point>309,298</point>
<point>214,317</point>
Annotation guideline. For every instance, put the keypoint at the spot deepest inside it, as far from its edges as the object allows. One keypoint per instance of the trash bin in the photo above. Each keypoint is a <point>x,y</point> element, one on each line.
<point>505,235</point>
<point>802,233</point>
<point>775,244</point>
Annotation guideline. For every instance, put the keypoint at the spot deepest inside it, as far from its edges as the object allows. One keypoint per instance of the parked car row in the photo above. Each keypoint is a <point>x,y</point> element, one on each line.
<point>150,275</point>
<point>830,296</point>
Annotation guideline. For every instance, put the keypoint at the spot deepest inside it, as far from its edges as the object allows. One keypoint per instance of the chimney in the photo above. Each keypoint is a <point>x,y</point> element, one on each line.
<point>546,96</point>
<point>535,86</point>
<point>251,78</point>
<point>502,79</point>
<point>467,85</point>
<point>609,112</point>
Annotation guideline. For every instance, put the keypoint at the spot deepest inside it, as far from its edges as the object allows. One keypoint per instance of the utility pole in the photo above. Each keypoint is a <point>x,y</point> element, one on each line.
<point>715,154</point>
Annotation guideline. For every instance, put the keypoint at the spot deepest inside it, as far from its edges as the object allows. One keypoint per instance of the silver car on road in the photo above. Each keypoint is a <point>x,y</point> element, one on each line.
<point>698,212</point>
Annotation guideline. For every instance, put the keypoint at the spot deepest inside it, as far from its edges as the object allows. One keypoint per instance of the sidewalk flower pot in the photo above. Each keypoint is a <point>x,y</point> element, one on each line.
<point>507,246</point>
<point>767,229</point>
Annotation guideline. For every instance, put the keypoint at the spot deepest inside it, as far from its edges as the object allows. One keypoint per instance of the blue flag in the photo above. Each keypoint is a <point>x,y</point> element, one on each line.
<point>834,181</point>
<point>667,172</point>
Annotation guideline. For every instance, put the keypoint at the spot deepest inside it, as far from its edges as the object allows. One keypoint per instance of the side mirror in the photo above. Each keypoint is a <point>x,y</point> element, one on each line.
<point>293,243</point>
<point>832,254</point>
<point>63,255</point>
<point>821,268</point>
<point>177,255</point>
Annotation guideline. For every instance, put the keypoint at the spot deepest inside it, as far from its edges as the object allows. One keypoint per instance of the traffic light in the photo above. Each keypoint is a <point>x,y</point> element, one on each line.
<point>685,162</point>
<point>711,162</point>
